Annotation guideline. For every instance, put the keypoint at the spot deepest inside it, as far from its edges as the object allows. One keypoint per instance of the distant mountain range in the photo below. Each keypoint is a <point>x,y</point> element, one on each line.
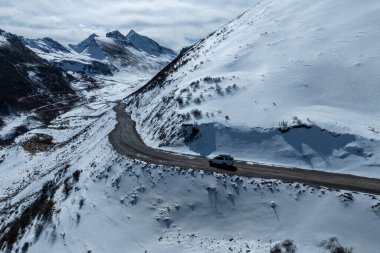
<point>105,55</point>
<point>35,73</point>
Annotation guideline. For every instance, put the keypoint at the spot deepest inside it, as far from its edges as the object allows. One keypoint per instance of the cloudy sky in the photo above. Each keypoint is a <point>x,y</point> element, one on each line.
<point>173,23</point>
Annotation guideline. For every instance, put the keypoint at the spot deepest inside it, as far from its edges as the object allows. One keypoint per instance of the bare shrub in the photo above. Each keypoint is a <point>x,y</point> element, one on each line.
<point>196,113</point>
<point>81,203</point>
<point>209,79</point>
<point>219,90</point>
<point>67,187</point>
<point>198,101</point>
<point>186,116</point>
<point>38,231</point>
<point>195,85</point>
<point>78,219</point>
<point>25,247</point>
<point>286,246</point>
<point>276,249</point>
<point>229,89</point>
<point>334,246</point>
<point>179,100</point>
<point>283,126</point>
<point>184,90</point>
<point>76,176</point>
<point>192,133</point>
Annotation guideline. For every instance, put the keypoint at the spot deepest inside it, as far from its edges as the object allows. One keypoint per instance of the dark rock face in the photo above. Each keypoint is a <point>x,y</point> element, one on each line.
<point>27,82</point>
<point>116,35</point>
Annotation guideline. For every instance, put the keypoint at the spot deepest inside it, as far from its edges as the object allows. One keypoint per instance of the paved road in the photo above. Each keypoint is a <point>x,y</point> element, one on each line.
<point>127,141</point>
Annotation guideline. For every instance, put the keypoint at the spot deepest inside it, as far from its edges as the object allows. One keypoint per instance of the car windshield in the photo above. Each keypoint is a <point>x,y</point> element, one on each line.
<point>223,157</point>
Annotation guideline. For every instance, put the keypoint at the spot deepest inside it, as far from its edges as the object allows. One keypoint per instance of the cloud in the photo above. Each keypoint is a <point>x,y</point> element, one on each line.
<point>173,23</point>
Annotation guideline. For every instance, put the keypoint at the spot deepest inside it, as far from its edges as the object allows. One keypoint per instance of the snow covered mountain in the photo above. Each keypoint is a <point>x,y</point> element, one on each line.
<point>97,55</point>
<point>28,82</point>
<point>46,45</point>
<point>288,82</point>
<point>64,188</point>
<point>37,75</point>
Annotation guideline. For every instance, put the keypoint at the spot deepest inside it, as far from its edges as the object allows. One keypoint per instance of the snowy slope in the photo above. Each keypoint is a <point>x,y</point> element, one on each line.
<point>64,189</point>
<point>116,204</point>
<point>122,205</point>
<point>46,45</point>
<point>279,65</point>
<point>3,41</point>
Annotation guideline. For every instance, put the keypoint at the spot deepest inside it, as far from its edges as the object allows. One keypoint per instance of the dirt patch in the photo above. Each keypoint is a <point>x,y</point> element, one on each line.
<point>38,143</point>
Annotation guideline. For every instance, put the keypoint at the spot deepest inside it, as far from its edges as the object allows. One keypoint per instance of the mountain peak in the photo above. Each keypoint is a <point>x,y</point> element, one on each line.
<point>132,32</point>
<point>115,35</point>
<point>90,46</point>
<point>146,44</point>
<point>92,36</point>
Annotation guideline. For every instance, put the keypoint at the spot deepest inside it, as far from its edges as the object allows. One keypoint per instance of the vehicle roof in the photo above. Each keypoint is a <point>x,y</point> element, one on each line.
<point>224,155</point>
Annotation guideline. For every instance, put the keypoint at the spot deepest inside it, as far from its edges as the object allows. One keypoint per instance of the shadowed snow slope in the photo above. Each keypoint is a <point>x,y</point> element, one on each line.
<point>280,64</point>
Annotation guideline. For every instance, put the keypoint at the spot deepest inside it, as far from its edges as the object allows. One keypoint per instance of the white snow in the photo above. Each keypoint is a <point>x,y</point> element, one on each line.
<point>89,54</point>
<point>142,208</point>
<point>122,205</point>
<point>282,61</point>
<point>10,123</point>
<point>3,41</point>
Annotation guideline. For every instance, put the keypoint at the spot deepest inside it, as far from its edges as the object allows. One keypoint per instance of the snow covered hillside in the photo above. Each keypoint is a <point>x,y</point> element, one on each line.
<point>293,83</point>
<point>63,188</point>
<point>29,83</point>
<point>76,194</point>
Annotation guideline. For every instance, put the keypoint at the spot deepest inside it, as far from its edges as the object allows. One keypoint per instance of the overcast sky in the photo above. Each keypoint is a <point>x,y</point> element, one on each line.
<point>173,23</point>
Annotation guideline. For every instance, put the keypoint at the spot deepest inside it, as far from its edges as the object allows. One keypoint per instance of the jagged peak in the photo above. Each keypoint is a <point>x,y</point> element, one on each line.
<point>94,35</point>
<point>115,35</point>
<point>132,32</point>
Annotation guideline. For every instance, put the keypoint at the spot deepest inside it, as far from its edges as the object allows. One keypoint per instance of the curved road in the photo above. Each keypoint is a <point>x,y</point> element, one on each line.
<point>127,141</point>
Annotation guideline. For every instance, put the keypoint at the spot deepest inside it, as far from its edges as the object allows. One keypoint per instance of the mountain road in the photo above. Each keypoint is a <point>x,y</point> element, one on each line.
<point>126,141</point>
